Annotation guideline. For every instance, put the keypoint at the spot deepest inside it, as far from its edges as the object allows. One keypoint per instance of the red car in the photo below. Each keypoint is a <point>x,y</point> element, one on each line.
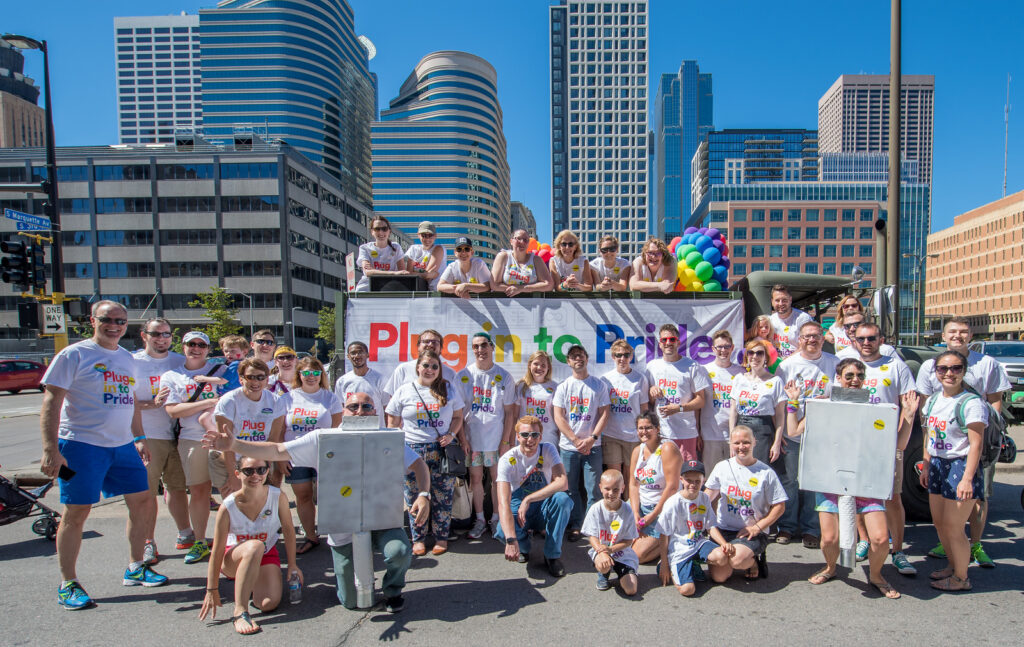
<point>19,374</point>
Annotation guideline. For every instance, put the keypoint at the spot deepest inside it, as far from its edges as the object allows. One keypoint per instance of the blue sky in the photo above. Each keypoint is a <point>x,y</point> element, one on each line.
<point>771,61</point>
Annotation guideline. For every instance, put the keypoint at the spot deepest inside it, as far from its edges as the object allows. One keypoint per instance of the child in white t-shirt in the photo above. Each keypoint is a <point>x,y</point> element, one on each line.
<point>612,529</point>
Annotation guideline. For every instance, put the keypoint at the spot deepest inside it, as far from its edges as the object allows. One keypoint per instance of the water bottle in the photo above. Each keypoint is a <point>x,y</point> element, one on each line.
<point>294,589</point>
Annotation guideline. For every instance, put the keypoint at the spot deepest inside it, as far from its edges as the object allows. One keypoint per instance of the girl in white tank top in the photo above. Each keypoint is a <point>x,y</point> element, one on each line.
<point>650,474</point>
<point>518,273</point>
<point>265,527</point>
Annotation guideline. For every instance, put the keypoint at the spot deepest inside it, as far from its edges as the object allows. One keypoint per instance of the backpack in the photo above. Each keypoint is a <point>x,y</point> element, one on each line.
<point>994,436</point>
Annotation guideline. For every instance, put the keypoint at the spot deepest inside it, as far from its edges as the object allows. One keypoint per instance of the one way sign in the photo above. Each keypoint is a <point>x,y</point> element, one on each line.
<point>53,319</point>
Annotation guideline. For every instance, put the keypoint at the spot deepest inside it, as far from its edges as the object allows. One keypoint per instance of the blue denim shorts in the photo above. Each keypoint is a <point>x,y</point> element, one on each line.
<point>652,529</point>
<point>111,471</point>
<point>830,503</point>
<point>301,475</point>
<point>944,475</point>
<point>683,572</point>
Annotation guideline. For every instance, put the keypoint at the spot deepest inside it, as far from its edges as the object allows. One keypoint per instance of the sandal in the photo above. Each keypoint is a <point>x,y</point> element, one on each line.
<point>439,550</point>
<point>307,545</point>
<point>953,583</point>
<point>253,628</point>
<point>752,573</point>
<point>886,589</point>
<point>419,549</point>
<point>941,574</point>
<point>821,577</point>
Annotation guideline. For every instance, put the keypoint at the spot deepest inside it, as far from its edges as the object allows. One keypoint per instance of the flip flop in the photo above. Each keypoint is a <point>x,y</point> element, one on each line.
<point>752,573</point>
<point>307,545</point>
<point>941,574</point>
<point>886,590</point>
<point>952,583</point>
<point>821,577</point>
<point>253,627</point>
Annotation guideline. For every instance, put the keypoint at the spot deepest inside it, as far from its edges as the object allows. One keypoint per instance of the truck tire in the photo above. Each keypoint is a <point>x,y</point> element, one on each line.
<point>915,497</point>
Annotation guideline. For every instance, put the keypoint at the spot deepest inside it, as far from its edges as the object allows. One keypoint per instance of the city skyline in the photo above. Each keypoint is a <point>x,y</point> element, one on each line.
<point>970,81</point>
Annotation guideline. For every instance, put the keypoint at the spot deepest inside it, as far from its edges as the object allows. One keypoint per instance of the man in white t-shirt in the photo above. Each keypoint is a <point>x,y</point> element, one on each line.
<point>814,370</point>
<point>94,443</point>
<point>152,361</point>
<point>393,543</point>
<point>361,379</point>
<point>850,325</point>
<point>714,419</point>
<point>406,371</point>
<point>677,390</point>
<point>988,378</point>
<point>263,346</point>
<point>786,321</point>
<point>490,396</point>
<point>628,394</point>
<point>532,495</point>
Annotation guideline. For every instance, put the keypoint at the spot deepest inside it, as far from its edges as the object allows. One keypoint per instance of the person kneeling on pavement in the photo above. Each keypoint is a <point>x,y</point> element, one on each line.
<point>611,527</point>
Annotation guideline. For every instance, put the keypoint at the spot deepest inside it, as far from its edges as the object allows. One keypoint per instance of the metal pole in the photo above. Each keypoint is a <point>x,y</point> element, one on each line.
<point>60,341</point>
<point>252,319</point>
<point>919,297</point>
<point>892,230</point>
<point>293,326</point>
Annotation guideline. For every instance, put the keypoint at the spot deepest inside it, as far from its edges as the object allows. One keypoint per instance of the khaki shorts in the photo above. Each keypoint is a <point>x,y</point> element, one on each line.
<point>714,452</point>
<point>989,475</point>
<point>164,462</point>
<point>217,470</point>
<point>617,452</point>
<point>194,461</point>
<point>897,477</point>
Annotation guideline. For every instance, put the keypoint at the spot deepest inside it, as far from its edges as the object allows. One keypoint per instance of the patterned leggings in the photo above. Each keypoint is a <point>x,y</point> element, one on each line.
<point>441,488</point>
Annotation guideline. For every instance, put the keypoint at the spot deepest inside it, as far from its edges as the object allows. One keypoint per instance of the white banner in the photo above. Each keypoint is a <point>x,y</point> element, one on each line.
<point>391,327</point>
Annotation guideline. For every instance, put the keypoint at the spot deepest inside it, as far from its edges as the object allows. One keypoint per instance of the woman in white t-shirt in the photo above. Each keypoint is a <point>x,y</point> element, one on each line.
<point>534,394</point>
<point>954,424</point>
<point>759,402</point>
<point>570,272</point>
<point>466,274</point>
<point>245,538</point>
<point>837,334</point>
<point>750,499</point>
<point>518,270</point>
<point>380,256</point>
<point>609,271</point>
<point>430,412</point>
<point>655,269</point>
<point>426,258</point>
<point>282,375</point>
<point>654,469</point>
<point>309,405</point>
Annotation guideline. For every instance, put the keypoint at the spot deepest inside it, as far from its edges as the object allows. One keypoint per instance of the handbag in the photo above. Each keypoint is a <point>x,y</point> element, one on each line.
<point>176,425</point>
<point>462,502</point>
<point>453,458</point>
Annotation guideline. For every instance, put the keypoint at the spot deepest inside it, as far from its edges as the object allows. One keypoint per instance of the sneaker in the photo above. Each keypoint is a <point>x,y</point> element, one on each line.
<point>150,555</point>
<point>143,576</point>
<point>197,553</point>
<point>493,526</point>
<point>555,567</point>
<point>477,531</point>
<point>862,550</point>
<point>213,503</point>
<point>184,540</point>
<point>523,557</point>
<point>902,564</point>
<point>73,597</point>
<point>980,557</point>
<point>938,551</point>
<point>394,604</point>
<point>602,582</point>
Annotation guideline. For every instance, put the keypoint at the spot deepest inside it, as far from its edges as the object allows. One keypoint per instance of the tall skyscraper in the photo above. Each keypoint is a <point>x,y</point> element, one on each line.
<point>599,154</point>
<point>22,121</point>
<point>683,115</point>
<point>158,82</point>
<point>522,218</point>
<point>439,153</point>
<point>297,69</point>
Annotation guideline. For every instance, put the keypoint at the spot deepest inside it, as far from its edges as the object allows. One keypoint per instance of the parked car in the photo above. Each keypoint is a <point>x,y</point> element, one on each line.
<point>19,374</point>
<point>1011,355</point>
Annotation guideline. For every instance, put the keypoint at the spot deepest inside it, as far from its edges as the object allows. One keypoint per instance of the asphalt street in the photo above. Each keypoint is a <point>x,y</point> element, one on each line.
<point>472,596</point>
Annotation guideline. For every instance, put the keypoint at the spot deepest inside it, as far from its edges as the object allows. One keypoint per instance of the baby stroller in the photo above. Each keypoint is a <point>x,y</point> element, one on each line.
<point>17,503</point>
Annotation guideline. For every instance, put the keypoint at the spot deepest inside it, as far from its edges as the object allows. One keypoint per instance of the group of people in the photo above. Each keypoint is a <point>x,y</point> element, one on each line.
<point>617,458</point>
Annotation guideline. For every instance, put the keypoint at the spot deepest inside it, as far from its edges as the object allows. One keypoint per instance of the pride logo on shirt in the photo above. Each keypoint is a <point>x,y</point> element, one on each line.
<point>670,389</point>
<point>579,408</point>
<point>118,389</point>
<point>620,401</point>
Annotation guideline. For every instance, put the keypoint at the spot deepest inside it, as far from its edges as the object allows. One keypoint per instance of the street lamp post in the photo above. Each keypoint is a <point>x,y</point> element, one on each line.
<point>252,325</point>
<point>919,297</point>
<point>50,184</point>
<point>294,309</point>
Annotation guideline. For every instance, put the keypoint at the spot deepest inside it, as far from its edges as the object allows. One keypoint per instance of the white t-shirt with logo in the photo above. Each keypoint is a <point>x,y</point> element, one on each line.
<point>816,375</point>
<point>100,401</point>
<point>370,384</point>
<point>839,335</point>
<point>385,259</point>
<point>747,493</point>
<point>984,374</point>
<point>686,522</point>
<point>614,272</point>
<point>582,401</point>
<point>514,466</point>
<point>305,452</point>
<point>945,437</point>
<point>486,394</point>
<point>678,381</point>
<point>754,397</point>
<point>420,258</point>
<point>155,422</point>
<point>181,385</point>
<point>714,420</point>
<point>478,273</point>
<point>611,527</point>
<point>787,331</point>
<point>566,269</point>
<point>886,379</point>
<point>252,419</point>
<point>627,393</point>
<point>405,373</point>
<point>535,400</point>
<point>305,412</point>
<point>424,425</point>
<point>851,352</point>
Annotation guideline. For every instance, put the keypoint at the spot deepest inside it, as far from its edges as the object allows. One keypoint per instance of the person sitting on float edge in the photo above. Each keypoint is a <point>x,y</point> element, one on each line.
<point>518,270</point>
<point>570,272</point>
<point>466,274</point>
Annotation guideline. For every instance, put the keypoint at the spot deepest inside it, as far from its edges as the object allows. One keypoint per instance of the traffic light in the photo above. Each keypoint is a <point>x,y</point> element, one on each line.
<point>17,266</point>
<point>37,262</point>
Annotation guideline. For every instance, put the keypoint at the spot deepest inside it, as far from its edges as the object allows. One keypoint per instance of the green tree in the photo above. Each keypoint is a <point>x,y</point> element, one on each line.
<point>326,322</point>
<point>218,305</point>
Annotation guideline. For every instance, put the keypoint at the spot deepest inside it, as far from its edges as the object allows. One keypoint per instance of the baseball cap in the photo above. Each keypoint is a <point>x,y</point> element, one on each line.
<point>427,226</point>
<point>463,241</point>
<point>693,466</point>
<point>195,334</point>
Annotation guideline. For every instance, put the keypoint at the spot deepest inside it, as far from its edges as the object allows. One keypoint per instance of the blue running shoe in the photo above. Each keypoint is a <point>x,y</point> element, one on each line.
<point>143,576</point>
<point>73,597</point>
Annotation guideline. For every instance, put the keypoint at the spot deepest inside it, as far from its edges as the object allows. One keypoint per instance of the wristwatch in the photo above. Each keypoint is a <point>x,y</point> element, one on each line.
<point>509,541</point>
<point>595,436</point>
<point>425,494</point>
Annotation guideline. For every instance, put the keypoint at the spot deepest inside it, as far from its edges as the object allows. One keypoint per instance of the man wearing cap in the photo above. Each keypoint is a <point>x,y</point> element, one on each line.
<point>185,406</point>
<point>263,346</point>
<point>466,274</point>
<point>362,378</point>
<point>426,258</point>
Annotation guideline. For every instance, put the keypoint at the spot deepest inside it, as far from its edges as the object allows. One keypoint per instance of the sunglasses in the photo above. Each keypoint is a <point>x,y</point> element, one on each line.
<point>852,376</point>
<point>867,338</point>
<point>955,370</point>
<point>255,378</point>
<point>620,355</point>
<point>608,250</point>
<point>165,335</point>
<point>722,349</point>
<point>430,342</point>
<point>463,249</point>
<point>381,228</point>
<point>852,324</point>
<point>197,344</point>
<point>426,234</point>
<point>310,373</point>
<point>114,320</point>
<point>576,356</point>
<point>756,353</point>
<point>669,340</point>
<point>529,434</point>
<point>263,342</point>
<point>249,471</point>
<point>810,337</point>
<point>356,406</point>
<point>285,358</point>
<point>568,243</point>
<point>430,367</point>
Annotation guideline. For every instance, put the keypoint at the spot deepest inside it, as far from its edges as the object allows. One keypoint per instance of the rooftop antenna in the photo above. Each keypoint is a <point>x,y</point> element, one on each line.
<point>1006,137</point>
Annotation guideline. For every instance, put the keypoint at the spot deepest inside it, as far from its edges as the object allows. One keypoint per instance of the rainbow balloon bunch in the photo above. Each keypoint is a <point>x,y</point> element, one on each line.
<point>703,260</point>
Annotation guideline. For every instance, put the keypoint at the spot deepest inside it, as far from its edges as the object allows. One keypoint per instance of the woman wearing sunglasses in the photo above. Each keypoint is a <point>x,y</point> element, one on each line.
<point>609,271</point>
<point>466,274</point>
<point>309,405</point>
<point>380,256</point>
<point>759,402</point>
<point>655,466</point>
<point>851,375</point>
<point>282,375</point>
<point>837,334</point>
<point>518,269</point>
<point>570,272</point>
<point>954,422</point>
<point>245,538</point>
<point>429,411</point>
<point>426,258</point>
<point>655,269</point>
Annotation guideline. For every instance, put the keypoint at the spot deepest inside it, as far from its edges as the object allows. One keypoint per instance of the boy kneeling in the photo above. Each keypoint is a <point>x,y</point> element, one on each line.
<point>612,529</point>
